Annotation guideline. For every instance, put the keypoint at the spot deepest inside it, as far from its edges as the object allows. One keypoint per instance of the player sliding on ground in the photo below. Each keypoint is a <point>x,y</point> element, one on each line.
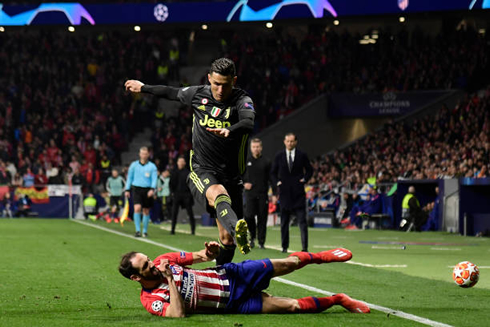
<point>223,118</point>
<point>171,289</point>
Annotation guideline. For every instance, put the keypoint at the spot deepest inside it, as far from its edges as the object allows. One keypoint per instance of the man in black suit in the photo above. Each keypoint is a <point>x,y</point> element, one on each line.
<point>290,171</point>
<point>182,196</point>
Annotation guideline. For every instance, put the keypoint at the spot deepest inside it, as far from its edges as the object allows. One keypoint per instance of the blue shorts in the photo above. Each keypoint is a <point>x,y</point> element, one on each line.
<point>247,281</point>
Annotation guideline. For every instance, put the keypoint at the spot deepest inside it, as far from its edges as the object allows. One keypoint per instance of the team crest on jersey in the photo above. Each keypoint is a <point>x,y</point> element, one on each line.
<point>204,101</point>
<point>215,111</point>
<point>157,306</point>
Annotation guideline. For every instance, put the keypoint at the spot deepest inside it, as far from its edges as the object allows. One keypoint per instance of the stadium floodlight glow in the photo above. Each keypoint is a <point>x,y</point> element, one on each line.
<point>71,29</point>
<point>372,41</point>
<point>204,26</point>
<point>364,41</point>
<point>366,37</point>
<point>269,25</point>
<point>374,36</point>
<point>2,29</point>
<point>401,19</point>
<point>336,22</point>
<point>481,31</point>
<point>137,28</point>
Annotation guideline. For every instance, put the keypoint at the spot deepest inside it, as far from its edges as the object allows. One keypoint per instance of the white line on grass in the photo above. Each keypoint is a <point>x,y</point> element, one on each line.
<point>400,314</point>
<point>128,236</point>
<point>375,266</point>
<point>446,249</point>
<point>327,246</point>
<point>377,247</point>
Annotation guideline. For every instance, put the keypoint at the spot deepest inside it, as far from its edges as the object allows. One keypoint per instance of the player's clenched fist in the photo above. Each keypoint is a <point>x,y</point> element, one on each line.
<point>133,86</point>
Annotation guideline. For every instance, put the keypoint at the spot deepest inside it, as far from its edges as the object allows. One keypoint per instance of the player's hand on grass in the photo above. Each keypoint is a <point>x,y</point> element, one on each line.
<point>223,132</point>
<point>212,249</point>
<point>133,86</point>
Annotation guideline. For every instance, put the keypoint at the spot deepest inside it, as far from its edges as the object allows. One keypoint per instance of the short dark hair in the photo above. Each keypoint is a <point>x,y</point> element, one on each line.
<point>126,267</point>
<point>256,140</point>
<point>291,134</point>
<point>223,66</point>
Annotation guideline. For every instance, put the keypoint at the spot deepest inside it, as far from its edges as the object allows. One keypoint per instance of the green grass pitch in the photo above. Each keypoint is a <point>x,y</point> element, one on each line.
<point>63,273</point>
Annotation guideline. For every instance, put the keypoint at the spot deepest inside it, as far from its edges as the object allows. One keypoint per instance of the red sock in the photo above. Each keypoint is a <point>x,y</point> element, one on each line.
<point>306,258</point>
<point>312,304</point>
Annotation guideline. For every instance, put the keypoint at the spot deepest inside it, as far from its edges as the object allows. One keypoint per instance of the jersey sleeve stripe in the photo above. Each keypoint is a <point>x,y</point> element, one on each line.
<point>241,154</point>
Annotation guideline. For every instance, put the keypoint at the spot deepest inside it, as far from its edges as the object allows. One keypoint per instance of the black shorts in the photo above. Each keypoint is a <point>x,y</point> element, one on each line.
<point>199,180</point>
<point>140,196</point>
<point>115,201</point>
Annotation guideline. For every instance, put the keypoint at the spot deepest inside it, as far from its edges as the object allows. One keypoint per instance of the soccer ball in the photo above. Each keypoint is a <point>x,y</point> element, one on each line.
<point>466,274</point>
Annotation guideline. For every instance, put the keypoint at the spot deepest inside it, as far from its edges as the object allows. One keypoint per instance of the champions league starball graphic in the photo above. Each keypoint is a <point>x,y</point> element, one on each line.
<point>316,7</point>
<point>160,12</point>
<point>74,12</point>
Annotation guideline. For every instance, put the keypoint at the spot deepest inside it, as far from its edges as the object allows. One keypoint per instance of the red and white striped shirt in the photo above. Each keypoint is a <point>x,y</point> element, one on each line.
<point>203,291</point>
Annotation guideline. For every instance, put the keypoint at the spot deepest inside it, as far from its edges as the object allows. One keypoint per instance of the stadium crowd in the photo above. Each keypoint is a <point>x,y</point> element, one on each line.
<point>64,115</point>
<point>273,69</point>
<point>455,142</point>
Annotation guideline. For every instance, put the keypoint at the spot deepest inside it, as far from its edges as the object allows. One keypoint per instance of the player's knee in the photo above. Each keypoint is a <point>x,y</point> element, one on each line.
<point>213,191</point>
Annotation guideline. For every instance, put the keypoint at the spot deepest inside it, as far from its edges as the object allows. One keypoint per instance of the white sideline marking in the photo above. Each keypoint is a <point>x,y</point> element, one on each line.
<point>400,314</point>
<point>375,266</point>
<point>388,247</point>
<point>327,246</point>
<point>128,236</point>
<point>446,249</point>
<point>387,238</point>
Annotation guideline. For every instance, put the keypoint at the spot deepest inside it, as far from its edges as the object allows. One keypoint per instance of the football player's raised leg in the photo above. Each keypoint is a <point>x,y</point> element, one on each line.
<point>219,198</point>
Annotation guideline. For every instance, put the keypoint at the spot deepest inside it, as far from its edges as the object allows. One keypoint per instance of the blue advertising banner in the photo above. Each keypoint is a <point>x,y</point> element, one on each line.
<point>387,104</point>
<point>226,11</point>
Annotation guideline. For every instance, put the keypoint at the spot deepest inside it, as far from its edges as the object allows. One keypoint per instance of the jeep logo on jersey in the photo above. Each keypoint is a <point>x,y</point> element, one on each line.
<point>214,123</point>
<point>215,111</point>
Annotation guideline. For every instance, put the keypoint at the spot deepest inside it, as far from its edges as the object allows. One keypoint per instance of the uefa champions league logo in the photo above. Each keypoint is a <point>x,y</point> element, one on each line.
<point>317,7</point>
<point>74,12</point>
<point>160,12</point>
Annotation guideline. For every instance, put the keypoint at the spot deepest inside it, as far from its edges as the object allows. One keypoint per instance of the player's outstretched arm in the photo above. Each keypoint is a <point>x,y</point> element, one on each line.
<point>209,253</point>
<point>133,86</point>
<point>162,91</point>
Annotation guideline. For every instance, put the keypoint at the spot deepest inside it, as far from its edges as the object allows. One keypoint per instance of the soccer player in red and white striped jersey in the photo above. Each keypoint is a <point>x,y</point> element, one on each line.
<point>171,289</point>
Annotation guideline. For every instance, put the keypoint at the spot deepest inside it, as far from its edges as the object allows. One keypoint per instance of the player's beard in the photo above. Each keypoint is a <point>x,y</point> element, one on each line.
<point>155,274</point>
